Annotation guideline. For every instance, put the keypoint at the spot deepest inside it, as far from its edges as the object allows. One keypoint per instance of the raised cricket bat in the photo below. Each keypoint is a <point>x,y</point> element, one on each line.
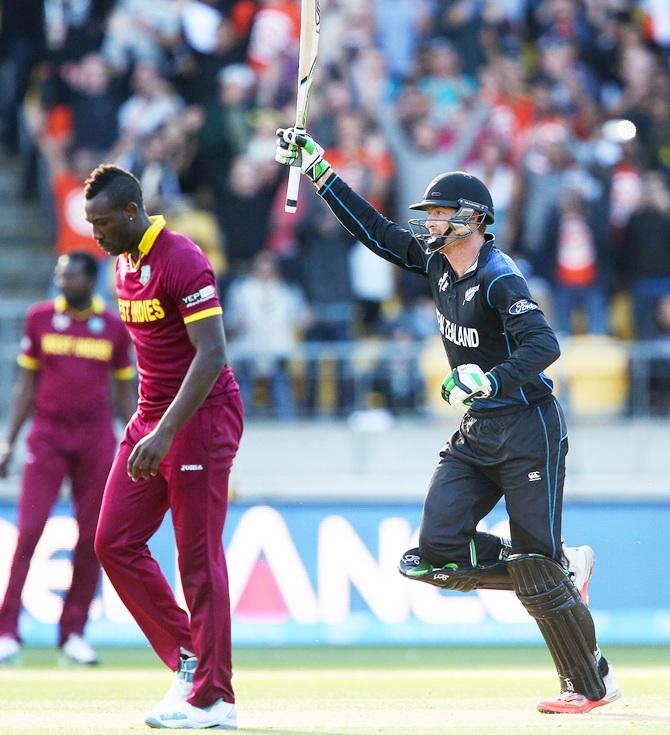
<point>310,24</point>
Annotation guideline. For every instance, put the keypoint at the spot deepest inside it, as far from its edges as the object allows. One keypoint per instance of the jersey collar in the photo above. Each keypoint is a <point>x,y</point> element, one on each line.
<point>61,306</point>
<point>149,238</point>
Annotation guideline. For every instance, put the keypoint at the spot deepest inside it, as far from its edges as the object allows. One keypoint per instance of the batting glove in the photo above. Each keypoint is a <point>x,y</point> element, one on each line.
<point>292,144</point>
<point>465,384</point>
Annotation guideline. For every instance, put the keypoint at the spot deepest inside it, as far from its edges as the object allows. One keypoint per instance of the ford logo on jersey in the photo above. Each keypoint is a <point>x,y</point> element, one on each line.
<point>521,307</point>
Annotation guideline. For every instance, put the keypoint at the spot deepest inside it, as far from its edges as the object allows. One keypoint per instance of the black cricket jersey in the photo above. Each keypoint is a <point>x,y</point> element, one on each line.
<point>486,317</point>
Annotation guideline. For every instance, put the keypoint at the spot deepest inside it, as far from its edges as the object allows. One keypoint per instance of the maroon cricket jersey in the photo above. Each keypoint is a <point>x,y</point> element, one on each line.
<point>75,354</point>
<point>171,286</point>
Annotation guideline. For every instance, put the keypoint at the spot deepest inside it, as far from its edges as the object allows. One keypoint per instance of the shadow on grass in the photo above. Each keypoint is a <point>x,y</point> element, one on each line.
<point>274,731</point>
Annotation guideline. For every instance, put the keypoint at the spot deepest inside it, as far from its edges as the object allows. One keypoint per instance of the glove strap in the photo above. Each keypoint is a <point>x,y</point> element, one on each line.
<point>319,169</point>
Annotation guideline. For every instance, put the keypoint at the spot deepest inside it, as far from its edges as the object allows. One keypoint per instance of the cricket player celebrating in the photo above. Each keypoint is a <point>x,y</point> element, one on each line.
<point>176,452</point>
<point>513,439</point>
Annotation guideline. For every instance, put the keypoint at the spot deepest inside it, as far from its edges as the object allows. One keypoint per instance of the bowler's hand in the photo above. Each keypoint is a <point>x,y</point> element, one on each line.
<point>148,453</point>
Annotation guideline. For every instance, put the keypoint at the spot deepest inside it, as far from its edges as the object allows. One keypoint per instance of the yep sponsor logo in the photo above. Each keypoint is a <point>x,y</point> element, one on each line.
<point>204,294</point>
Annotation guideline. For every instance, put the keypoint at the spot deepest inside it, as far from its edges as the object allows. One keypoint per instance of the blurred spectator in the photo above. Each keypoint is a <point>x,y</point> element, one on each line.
<point>324,273</point>
<point>275,31</point>
<point>152,103</point>
<point>572,85</point>
<point>67,171</point>
<point>539,189</point>
<point>396,376</point>
<point>646,253</point>
<point>156,174</point>
<point>417,318</point>
<point>659,365</point>
<point>140,32</point>
<point>419,147</point>
<point>491,167</point>
<point>323,268</point>
<point>264,315</point>
<point>400,25</point>
<point>245,207</point>
<point>442,80</point>
<point>93,102</point>
<point>215,35</point>
<point>75,28</point>
<point>372,281</point>
<point>201,226</point>
<point>22,39</point>
<point>575,237</point>
<point>362,158</point>
<point>460,23</point>
<point>226,128</point>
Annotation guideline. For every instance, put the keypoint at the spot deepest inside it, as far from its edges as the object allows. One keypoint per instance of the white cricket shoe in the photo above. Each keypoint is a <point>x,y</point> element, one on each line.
<point>581,560</point>
<point>572,703</point>
<point>79,651</point>
<point>10,649</point>
<point>182,684</point>
<point>184,716</point>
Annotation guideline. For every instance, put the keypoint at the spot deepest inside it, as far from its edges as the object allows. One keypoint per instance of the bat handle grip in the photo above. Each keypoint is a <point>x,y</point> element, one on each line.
<point>293,188</point>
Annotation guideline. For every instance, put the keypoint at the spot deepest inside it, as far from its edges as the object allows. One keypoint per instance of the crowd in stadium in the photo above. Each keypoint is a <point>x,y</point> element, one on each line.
<point>559,106</point>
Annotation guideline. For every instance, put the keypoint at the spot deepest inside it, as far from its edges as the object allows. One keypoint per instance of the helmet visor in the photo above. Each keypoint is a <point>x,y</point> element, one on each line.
<point>461,224</point>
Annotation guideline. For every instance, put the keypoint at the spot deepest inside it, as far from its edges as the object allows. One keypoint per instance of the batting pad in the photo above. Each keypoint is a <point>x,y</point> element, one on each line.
<point>549,596</point>
<point>451,577</point>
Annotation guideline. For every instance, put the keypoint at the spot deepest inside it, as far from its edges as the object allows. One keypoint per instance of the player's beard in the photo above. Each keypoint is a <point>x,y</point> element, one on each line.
<point>78,302</point>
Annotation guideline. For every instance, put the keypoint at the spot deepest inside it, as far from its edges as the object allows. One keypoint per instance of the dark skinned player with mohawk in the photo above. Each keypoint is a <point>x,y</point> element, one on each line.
<point>512,441</point>
<point>176,452</point>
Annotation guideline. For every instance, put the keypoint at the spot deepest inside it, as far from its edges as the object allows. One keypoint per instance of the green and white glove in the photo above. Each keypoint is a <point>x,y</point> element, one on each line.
<point>465,384</point>
<point>292,143</point>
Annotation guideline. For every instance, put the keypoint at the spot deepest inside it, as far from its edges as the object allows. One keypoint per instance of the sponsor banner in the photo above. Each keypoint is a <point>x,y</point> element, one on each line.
<point>309,573</point>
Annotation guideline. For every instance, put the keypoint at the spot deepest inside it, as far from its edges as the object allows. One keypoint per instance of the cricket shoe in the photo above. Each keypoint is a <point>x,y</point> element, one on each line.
<point>77,650</point>
<point>581,560</point>
<point>573,703</point>
<point>184,716</point>
<point>182,685</point>
<point>10,650</point>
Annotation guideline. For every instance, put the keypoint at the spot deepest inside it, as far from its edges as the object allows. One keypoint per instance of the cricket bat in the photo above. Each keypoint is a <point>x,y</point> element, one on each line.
<point>310,24</point>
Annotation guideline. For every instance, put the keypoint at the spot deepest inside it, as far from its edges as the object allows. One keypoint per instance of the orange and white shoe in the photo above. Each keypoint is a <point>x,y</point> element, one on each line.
<point>581,561</point>
<point>568,703</point>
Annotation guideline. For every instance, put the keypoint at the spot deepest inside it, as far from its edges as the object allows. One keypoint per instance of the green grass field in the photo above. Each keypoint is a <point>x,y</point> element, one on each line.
<point>362,691</point>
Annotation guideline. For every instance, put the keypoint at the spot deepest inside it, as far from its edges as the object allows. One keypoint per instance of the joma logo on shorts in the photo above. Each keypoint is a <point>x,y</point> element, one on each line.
<point>191,467</point>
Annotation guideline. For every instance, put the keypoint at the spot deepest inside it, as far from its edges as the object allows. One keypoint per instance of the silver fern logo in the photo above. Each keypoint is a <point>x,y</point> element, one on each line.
<point>470,293</point>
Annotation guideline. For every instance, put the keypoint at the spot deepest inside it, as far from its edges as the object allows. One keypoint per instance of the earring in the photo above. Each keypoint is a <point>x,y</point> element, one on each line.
<point>130,219</point>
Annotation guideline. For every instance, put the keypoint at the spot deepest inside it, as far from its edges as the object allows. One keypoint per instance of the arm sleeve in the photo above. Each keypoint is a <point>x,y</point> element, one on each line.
<point>531,343</point>
<point>192,286</point>
<point>30,354</point>
<point>383,237</point>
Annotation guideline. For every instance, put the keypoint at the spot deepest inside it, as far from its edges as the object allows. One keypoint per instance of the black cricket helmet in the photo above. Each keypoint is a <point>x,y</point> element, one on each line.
<point>460,191</point>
